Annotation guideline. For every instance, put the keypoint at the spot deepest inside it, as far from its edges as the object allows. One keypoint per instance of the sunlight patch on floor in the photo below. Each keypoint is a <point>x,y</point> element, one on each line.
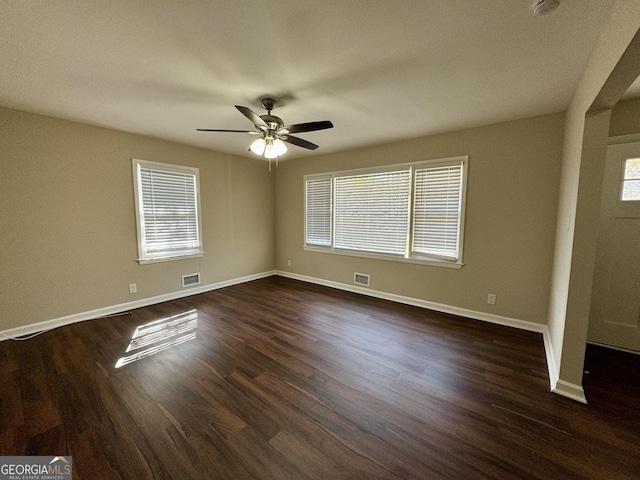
<point>160,335</point>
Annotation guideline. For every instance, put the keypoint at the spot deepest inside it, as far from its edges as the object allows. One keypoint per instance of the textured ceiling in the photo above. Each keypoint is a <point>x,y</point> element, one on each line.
<point>380,70</point>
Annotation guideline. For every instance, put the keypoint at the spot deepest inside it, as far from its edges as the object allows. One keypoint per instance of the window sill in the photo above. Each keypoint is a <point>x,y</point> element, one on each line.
<point>382,256</point>
<point>144,261</point>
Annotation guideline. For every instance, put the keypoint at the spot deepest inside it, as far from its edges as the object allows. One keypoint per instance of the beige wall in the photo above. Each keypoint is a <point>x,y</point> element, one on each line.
<point>581,181</point>
<point>625,118</point>
<point>67,223</point>
<point>510,219</point>
<point>582,260</point>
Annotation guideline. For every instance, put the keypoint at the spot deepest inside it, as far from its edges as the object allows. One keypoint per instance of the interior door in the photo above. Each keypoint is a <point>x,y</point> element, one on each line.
<point>615,303</point>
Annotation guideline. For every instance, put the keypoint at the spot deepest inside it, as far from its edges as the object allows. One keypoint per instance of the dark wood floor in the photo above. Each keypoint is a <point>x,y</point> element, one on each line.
<point>287,380</point>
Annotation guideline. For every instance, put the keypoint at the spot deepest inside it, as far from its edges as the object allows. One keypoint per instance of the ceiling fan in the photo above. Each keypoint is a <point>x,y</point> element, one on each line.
<point>273,132</point>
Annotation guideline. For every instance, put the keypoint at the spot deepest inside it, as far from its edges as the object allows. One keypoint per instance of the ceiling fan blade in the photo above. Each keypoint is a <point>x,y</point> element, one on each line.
<point>254,117</point>
<point>218,130</point>
<point>309,127</point>
<point>299,142</point>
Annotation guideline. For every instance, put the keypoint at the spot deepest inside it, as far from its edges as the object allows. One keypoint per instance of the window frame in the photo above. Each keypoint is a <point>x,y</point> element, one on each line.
<point>433,164</point>
<point>409,256</point>
<point>143,256</point>
<point>623,181</point>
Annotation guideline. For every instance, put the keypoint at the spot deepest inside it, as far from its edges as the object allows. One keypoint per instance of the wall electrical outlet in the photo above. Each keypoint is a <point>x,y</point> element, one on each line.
<point>491,299</point>
<point>133,288</point>
<point>288,263</point>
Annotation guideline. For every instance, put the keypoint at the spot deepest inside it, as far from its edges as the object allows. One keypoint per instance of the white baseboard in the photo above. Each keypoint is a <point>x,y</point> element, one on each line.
<point>561,387</point>
<point>554,371</point>
<point>570,390</point>
<point>416,302</point>
<point>123,307</point>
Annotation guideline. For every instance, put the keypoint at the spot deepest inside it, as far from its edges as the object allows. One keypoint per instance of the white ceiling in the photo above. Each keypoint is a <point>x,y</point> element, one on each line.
<point>381,70</point>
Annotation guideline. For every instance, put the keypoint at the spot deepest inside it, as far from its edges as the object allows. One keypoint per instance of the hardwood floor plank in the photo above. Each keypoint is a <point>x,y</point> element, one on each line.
<point>286,380</point>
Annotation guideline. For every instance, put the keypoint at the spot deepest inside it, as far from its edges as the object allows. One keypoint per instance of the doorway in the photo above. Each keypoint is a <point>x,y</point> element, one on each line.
<point>615,301</point>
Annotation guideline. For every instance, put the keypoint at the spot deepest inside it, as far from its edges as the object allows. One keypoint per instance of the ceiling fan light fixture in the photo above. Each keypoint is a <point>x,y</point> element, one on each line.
<point>258,146</point>
<point>274,148</point>
<point>273,133</point>
<point>280,147</point>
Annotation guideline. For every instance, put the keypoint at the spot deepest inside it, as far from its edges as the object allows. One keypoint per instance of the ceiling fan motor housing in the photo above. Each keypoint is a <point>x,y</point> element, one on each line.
<point>543,7</point>
<point>273,132</point>
<point>272,119</point>
<point>269,103</point>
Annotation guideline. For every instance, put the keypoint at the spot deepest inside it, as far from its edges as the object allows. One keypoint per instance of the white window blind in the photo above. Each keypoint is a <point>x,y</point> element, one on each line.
<point>436,211</point>
<point>168,211</point>
<point>412,211</point>
<point>318,211</point>
<point>372,212</point>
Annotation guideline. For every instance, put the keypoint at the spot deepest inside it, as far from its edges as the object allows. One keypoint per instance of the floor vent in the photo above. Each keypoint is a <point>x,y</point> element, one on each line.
<point>191,279</point>
<point>361,279</point>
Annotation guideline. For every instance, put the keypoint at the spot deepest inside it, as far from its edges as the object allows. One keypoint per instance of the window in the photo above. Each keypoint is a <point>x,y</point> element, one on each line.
<point>318,218</point>
<point>436,211</point>
<point>372,212</point>
<point>167,211</point>
<point>411,212</point>
<point>631,180</point>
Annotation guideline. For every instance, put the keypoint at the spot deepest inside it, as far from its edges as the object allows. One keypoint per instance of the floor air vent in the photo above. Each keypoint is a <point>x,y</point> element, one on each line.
<point>191,279</point>
<point>361,279</point>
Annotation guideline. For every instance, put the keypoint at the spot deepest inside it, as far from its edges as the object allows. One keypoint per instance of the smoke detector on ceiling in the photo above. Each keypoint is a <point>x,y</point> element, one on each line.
<point>543,7</point>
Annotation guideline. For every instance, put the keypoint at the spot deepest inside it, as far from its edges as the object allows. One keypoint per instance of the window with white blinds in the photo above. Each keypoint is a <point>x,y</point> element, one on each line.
<point>318,211</point>
<point>436,211</point>
<point>168,211</point>
<point>372,212</point>
<point>412,211</point>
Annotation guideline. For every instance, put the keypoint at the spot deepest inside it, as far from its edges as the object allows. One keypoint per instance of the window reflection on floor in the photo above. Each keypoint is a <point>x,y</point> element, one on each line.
<point>160,335</point>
